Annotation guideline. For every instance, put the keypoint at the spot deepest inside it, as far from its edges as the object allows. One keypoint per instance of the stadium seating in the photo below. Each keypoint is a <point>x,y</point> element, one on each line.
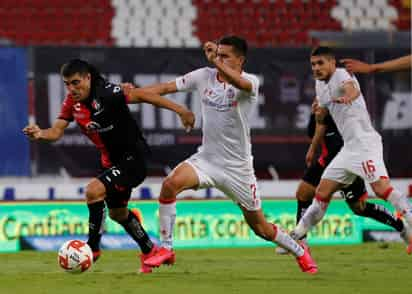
<point>162,23</point>
<point>43,22</point>
<point>188,23</point>
<point>374,15</point>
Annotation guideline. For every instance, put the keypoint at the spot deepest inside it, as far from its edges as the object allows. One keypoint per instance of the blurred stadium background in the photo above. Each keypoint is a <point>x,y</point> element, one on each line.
<point>148,41</point>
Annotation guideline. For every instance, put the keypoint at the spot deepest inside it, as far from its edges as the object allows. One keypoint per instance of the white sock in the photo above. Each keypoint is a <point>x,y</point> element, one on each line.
<point>167,217</point>
<point>287,242</point>
<point>401,204</point>
<point>312,216</point>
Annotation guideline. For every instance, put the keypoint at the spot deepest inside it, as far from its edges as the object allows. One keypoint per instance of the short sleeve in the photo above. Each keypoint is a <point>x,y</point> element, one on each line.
<point>66,111</point>
<point>191,80</point>
<point>254,94</point>
<point>342,77</point>
<point>321,99</point>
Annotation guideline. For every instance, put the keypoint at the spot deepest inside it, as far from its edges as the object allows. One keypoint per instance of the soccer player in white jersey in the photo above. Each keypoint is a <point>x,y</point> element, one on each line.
<point>224,160</point>
<point>339,94</point>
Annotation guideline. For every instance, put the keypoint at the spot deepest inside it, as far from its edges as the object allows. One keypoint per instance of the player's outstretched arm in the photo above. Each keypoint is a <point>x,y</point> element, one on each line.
<point>139,95</point>
<point>232,76</point>
<point>357,66</point>
<point>33,132</point>
<point>160,89</point>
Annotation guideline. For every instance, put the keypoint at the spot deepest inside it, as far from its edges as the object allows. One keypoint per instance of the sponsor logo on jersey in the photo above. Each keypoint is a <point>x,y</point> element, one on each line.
<point>97,106</point>
<point>95,127</point>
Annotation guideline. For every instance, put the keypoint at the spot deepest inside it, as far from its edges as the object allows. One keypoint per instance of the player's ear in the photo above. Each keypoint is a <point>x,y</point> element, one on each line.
<point>242,60</point>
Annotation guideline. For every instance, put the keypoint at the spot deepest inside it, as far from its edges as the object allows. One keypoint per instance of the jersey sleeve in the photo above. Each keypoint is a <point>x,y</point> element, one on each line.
<point>320,96</point>
<point>254,94</point>
<point>190,81</point>
<point>66,111</point>
<point>342,77</point>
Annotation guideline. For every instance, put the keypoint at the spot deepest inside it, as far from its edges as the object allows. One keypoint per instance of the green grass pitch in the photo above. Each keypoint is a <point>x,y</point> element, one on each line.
<point>368,268</point>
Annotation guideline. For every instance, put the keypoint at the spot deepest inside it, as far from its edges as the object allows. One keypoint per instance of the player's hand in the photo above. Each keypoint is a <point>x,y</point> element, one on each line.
<point>315,105</point>
<point>210,49</point>
<point>310,155</point>
<point>127,87</point>
<point>33,132</point>
<point>356,66</point>
<point>342,100</point>
<point>188,119</point>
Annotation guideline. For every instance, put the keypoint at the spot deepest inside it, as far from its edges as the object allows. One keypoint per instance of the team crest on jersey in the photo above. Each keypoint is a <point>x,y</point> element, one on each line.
<point>96,104</point>
<point>230,93</point>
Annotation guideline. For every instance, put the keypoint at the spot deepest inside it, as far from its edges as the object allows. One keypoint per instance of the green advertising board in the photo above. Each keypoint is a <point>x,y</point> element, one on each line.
<point>208,223</point>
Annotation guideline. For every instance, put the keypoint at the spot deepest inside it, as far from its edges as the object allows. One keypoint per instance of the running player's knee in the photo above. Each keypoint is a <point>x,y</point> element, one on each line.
<point>170,188</point>
<point>383,191</point>
<point>95,191</point>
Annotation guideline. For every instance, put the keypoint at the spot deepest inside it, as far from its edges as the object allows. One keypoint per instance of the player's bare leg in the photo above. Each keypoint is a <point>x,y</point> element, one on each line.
<point>317,209</point>
<point>183,177</point>
<point>383,189</point>
<point>270,232</point>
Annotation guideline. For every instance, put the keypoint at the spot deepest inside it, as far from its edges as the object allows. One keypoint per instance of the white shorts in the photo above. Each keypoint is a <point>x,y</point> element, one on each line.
<point>242,189</point>
<point>347,165</point>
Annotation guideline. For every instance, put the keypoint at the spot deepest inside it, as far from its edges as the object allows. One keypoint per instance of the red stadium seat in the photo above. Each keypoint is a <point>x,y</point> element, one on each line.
<point>55,22</point>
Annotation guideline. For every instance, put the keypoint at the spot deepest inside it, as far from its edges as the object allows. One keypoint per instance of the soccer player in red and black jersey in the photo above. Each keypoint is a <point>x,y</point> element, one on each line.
<point>100,109</point>
<point>327,136</point>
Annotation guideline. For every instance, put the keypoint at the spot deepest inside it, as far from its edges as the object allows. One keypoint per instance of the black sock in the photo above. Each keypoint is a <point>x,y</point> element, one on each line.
<point>96,220</point>
<point>302,206</point>
<point>136,231</point>
<point>381,214</point>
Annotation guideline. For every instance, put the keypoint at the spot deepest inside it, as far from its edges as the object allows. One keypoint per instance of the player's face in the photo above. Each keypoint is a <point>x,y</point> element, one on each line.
<point>322,67</point>
<point>226,55</point>
<point>78,86</point>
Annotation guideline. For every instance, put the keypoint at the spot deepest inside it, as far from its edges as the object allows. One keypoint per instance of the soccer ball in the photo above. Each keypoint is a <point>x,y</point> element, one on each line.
<point>75,256</point>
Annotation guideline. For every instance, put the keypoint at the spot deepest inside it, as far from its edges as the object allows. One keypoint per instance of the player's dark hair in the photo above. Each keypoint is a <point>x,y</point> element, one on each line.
<point>81,67</point>
<point>322,50</point>
<point>239,45</point>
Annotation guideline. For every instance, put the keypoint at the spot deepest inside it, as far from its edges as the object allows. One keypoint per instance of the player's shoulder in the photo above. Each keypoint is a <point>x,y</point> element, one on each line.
<point>342,74</point>
<point>107,89</point>
<point>250,76</point>
<point>342,71</point>
<point>201,73</point>
<point>208,70</point>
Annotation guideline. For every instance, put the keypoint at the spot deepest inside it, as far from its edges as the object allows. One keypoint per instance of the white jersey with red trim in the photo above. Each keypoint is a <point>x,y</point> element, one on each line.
<point>225,124</point>
<point>352,121</point>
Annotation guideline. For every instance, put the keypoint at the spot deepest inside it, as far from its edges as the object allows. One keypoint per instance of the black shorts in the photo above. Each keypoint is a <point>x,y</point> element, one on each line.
<point>355,191</point>
<point>352,193</point>
<point>122,177</point>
